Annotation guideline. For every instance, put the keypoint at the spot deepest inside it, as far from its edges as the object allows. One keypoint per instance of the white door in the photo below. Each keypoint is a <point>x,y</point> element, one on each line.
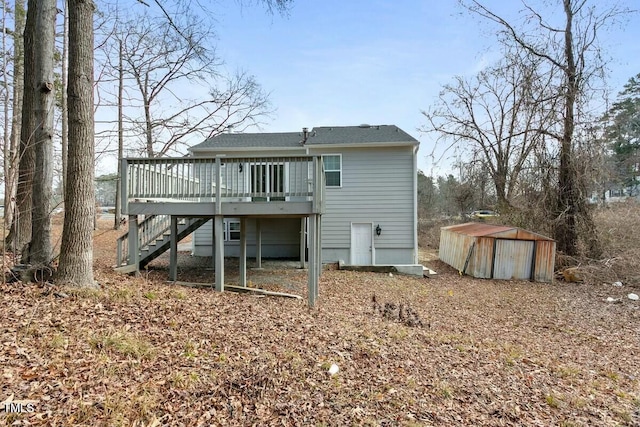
<point>362,243</point>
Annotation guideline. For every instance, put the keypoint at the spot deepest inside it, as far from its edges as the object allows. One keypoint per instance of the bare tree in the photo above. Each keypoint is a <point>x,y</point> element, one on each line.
<point>117,218</point>
<point>76,253</point>
<point>20,233</point>
<point>272,6</point>
<point>5,91</point>
<point>571,49</point>
<point>11,150</point>
<point>44,46</point>
<point>493,116</point>
<point>157,59</point>
<point>168,47</point>
<point>64,139</point>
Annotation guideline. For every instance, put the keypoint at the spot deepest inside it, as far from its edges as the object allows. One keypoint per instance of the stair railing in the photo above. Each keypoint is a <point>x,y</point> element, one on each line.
<point>152,227</point>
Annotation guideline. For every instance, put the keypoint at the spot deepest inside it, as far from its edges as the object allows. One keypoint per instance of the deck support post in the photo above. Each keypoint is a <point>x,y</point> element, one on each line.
<point>132,244</point>
<point>303,242</point>
<point>173,250</point>
<point>258,243</point>
<point>243,252</point>
<point>311,272</point>
<point>218,229</point>
<point>318,254</point>
<point>219,251</point>
<point>213,243</point>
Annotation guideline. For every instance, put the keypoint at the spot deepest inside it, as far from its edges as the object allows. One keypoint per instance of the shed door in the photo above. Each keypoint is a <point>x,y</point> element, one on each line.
<point>513,259</point>
<point>361,244</point>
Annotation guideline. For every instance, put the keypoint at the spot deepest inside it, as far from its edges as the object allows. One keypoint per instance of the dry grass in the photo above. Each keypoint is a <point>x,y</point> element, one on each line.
<point>618,231</point>
<point>429,231</point>
<point>141,351</point>
<point>618,226</point>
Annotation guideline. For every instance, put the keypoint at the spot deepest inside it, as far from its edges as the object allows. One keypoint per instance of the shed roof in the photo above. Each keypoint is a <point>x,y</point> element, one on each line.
<point>501,231</point>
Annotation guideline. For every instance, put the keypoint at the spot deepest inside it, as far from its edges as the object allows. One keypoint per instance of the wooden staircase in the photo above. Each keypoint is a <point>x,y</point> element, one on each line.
<point>154,238</point>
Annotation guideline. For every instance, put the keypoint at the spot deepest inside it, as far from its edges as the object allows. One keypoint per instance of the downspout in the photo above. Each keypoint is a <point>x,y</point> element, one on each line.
<point>415,204</point>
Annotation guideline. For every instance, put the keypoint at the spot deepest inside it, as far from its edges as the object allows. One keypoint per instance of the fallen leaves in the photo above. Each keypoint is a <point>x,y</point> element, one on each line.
<point>143,352</point>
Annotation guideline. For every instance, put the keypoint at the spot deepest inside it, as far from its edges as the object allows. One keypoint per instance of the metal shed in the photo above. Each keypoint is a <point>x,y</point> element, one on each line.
<point>498,252</point>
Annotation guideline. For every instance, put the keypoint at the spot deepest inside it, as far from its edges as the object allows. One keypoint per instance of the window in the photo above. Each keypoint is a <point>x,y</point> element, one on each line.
<point>333,170</point>
<point>618,192</point>
<point>231,230</point>
<point>234,230</point>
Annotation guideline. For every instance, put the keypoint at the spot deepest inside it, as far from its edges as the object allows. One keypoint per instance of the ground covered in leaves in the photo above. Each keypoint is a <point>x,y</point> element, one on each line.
<point>141,351</point>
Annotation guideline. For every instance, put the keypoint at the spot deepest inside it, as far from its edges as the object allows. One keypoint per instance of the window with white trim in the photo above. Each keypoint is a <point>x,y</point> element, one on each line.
<point>332,169</point>
<point>618,192</point>
<point>231,230</point>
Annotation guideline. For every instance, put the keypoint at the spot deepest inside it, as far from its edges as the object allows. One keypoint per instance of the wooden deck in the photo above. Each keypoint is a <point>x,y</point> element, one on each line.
<point>167,198</point>
<point>223,186</point>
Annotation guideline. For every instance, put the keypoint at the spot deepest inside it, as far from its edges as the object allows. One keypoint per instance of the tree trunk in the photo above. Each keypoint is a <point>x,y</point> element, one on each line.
<point>76,253</point>
<point>44,46</point>
<point>12,154</point>
<point>6,101</point>
<point>500,181</point>
<point>571,203</point>
<point>565,230</point>
<point>118,213</point>
<point>148,127</point>
<point>64,140</point>
<point>20,233</point>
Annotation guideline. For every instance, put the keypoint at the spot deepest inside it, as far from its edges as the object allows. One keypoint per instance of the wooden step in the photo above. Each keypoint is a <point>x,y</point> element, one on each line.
<point>126,269</point>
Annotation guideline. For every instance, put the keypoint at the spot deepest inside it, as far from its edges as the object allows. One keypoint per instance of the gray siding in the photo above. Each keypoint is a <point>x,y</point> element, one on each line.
<point>377,187</point>
<point>280,239</point>
<point>394,256</point>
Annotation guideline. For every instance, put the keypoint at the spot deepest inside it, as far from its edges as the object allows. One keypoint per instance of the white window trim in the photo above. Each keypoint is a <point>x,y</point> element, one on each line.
<point>227,230</point>
<point>333,170</point>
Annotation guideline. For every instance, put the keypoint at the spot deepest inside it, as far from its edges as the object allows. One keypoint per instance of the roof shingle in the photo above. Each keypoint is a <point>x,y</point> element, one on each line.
<point>362,134</point>
<point>258,140</point>
<point>358,134</point>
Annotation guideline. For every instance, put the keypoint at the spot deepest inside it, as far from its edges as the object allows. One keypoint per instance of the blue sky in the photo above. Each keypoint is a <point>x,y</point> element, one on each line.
<point>342,62</point>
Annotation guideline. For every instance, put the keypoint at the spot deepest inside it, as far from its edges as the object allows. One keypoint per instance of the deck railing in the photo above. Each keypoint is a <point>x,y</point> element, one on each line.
<point>219,179</point>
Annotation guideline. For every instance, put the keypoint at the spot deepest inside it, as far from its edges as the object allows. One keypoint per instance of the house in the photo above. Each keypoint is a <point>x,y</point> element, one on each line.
<point>342,193</point>
<point>625,186</point>
<point>370,184</point>
<point>614,194</point>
